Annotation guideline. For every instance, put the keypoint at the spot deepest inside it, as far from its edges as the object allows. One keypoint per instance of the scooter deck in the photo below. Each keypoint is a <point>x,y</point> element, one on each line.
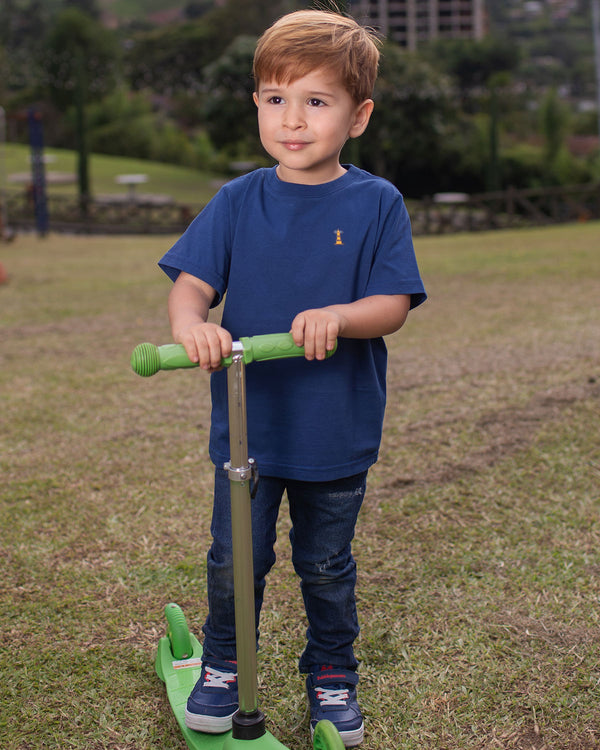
<point>180,676</point>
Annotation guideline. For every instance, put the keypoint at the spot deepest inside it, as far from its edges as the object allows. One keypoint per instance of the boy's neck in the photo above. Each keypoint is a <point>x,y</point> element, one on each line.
<point>296,176</point>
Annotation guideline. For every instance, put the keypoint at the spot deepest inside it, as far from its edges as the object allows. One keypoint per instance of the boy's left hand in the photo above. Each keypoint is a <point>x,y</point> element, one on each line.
<point>366,318</point>
<point>317,331</point>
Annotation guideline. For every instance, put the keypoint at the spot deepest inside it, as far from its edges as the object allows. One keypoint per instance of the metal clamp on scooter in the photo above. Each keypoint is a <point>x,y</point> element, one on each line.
<point>244,474</point>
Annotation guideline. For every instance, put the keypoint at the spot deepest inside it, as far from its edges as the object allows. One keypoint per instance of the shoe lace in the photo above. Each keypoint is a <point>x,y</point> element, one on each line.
<point>332,696</point>
<point>214,678</point>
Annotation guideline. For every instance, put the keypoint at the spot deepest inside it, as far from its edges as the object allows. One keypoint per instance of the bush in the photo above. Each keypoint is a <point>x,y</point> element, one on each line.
<point>121,124</point>
<point>124,124</point>
<point>526,166</point>
<point>569,170</point>
<point>171,145</point>
<point>522,166</point>
<point>133,138</point>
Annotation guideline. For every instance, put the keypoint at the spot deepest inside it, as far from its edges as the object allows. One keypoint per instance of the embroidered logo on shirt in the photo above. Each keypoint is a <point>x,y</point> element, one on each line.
<point>338,236</point>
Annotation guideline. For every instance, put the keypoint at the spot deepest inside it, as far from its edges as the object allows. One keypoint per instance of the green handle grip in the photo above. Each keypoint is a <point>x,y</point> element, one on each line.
<point>148,359</point>
<point>269,346</point>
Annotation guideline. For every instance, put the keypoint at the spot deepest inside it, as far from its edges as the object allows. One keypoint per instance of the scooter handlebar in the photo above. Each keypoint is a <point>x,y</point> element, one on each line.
<point>148,359</point>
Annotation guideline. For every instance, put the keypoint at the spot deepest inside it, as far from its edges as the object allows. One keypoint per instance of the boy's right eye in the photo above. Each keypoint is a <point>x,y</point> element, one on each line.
<point>274,100</point>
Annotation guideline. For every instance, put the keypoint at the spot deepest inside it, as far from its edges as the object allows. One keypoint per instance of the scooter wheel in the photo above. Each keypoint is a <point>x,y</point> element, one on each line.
<point>177,632</point>
<point>327,737</point>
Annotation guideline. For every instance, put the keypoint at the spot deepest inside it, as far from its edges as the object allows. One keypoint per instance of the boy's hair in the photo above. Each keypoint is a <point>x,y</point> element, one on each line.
<point>306,40</point>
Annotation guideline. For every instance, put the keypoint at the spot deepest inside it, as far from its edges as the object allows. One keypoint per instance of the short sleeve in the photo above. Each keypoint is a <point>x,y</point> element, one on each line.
<point>394,269</point>
<point>204,249</point>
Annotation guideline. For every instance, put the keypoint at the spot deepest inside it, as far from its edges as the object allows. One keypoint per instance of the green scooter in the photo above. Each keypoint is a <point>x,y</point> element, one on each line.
<point>178,659</point>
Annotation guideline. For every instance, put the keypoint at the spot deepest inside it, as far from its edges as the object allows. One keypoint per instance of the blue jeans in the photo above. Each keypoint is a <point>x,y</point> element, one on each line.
<point>323,518</point>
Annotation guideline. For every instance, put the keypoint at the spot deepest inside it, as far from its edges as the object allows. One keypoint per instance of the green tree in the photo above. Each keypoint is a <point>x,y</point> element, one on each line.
<point>229,109</point>
<point>472,63</point>
<point>80,61</point>
<point>497,85</point>
<point>3,74</point>
<point>482,71</point>
<point>554,121</point>
<point>172,58</point>
<point>413,117</point>
<point>79,47</point>
<point>22,25</point>
<point>197,8</point>
<point>88,7</point>
<point>248,17</point>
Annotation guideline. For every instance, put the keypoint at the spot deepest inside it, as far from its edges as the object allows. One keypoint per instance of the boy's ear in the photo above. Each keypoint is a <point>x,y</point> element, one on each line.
<point>255,97</point>
<point>362,116</point>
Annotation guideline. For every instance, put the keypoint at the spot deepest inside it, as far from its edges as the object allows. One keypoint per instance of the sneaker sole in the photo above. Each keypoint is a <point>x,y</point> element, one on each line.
<point>208,724</point>
<point>351,738</point>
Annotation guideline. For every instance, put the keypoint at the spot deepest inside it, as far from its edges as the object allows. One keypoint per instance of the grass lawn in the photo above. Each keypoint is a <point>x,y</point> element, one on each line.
<point>183,185</point>
<point>478,545</point>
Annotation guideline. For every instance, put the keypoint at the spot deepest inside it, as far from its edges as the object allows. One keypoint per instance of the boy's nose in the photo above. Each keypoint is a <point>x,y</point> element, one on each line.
<point>292,117</point>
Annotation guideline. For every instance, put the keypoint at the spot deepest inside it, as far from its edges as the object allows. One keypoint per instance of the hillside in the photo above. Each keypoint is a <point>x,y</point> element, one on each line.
<point>118,12</point>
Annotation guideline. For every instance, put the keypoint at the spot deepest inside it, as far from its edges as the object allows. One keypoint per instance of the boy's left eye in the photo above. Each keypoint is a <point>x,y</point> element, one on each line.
<point>314,102</point>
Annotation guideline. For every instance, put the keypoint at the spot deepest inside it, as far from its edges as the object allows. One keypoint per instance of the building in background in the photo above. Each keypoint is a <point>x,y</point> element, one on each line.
<point>412,22</point>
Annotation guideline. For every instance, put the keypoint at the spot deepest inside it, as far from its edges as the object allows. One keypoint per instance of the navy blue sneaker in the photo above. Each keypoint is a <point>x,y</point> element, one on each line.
<point>214,699</point>
<point>332,696</point>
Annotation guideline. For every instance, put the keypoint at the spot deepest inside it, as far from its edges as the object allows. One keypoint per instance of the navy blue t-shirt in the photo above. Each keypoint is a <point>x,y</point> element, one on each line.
<point>274,249</point>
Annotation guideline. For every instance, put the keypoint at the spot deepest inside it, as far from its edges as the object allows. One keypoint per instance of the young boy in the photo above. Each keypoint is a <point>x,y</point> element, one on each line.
<point>325,251</point>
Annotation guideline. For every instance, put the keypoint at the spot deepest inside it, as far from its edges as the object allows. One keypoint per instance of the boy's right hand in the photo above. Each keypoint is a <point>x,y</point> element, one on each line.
<point>206,343</point>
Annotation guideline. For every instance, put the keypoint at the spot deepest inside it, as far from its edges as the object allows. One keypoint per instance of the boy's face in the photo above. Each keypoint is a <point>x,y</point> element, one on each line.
<point>304,125</point>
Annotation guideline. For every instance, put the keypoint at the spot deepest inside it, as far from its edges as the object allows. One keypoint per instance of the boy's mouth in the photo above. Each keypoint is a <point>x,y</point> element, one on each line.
<point>294,145</point>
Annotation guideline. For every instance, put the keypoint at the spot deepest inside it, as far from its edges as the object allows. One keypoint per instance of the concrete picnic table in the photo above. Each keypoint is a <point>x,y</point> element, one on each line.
<point>131,180</point>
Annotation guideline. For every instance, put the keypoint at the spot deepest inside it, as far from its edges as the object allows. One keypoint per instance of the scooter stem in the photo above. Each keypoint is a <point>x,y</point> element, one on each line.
<point>248,722</point>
